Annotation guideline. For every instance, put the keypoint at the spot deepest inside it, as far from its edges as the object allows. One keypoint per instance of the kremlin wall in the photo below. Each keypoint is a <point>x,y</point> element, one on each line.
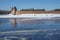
<point>32,11</point>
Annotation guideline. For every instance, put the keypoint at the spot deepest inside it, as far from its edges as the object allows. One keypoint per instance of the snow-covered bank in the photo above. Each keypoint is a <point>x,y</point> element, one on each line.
<point>31,16</point>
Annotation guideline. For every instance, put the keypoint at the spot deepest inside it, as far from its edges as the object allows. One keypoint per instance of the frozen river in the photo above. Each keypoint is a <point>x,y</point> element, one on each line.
<point>29,29</point>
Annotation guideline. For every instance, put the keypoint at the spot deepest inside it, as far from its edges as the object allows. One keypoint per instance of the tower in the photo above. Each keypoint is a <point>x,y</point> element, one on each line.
<point>13,10</point>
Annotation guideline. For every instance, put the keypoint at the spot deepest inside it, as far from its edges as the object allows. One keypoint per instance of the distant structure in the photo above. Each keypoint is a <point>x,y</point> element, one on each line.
<point>32,11</point>
<point>13,10</point>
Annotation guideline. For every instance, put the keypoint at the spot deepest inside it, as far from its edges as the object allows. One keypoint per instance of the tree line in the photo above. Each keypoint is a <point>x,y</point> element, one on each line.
<point>4,12</point>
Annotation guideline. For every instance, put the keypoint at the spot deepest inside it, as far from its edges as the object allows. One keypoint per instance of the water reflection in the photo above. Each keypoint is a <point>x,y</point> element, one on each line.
<point>13,22</point>
<point>33,23</point>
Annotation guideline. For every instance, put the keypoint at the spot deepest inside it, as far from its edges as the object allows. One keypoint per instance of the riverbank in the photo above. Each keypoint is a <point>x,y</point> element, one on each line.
<point>35,16</point>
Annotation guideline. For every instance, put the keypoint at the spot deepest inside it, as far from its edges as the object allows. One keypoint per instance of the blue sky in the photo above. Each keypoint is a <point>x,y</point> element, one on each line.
<point>37,4</point>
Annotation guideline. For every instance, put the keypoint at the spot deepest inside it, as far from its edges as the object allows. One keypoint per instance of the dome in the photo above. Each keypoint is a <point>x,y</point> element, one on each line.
<point>14,8</point>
